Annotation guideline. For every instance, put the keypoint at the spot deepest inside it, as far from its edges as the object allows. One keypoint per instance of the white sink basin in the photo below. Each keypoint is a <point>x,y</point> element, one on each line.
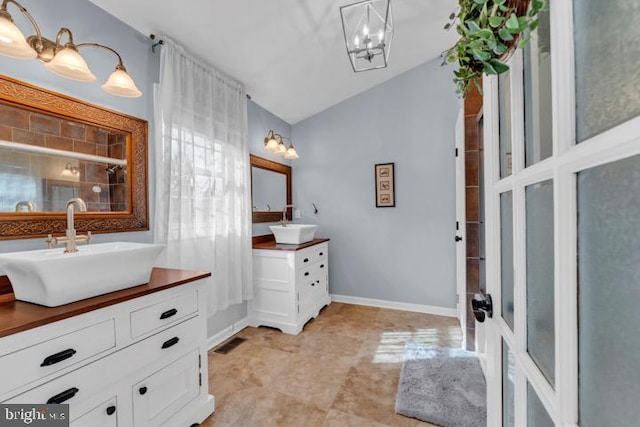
<point>293,234</point>
<point>51,278</point>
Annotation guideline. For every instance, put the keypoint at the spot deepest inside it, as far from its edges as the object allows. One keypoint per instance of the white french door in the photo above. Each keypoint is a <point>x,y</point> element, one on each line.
<point>562,173</point>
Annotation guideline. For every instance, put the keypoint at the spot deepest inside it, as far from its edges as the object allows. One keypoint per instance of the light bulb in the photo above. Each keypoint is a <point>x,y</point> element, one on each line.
<point>365,30</point>
<point>356,41</point>
<point>380,36</point>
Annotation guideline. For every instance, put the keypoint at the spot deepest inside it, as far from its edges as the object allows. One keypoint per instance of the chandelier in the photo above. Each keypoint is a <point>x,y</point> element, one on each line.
<point>368,30</point>
<point>63,60</point>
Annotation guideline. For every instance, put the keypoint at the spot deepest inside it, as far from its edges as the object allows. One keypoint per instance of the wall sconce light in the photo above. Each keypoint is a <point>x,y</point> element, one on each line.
<point>274,143</point>
<point>70,170</point>
<point>368,29</point>
<point>63,60</point>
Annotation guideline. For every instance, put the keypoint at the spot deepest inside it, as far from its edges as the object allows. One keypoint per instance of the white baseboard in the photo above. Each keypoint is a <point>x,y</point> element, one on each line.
<point>405,306</point>
<point>227,333</point>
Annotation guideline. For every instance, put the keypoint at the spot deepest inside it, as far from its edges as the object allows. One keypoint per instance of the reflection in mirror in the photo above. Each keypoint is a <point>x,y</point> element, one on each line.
<point>54,148</point>
<point>46,160</point>
<point>269,190</point>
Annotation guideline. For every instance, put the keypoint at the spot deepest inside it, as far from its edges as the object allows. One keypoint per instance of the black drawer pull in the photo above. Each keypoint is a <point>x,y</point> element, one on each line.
<point>64,396</point>
<point>168,314</point>
<point>142,390</point>
<point>58,357</point>
<point>305,260</point>
<point>168,343</point>
<point>111,410</point>
<point>321,265</point>
<point>321,253</point>
<point>306,273</point>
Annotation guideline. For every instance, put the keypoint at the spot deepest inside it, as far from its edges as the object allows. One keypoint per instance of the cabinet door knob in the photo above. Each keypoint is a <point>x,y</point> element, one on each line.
<point>111,410</point>
<point>313,284</point>
<point>306,273</point>
<point>168,314</point>
<point>321,253</point>
<point>142,390</point>
<point>305,260</point>
<point>58,357</point>
<point>64,396</point>
<point>321,265</point>
<point>169,343</point>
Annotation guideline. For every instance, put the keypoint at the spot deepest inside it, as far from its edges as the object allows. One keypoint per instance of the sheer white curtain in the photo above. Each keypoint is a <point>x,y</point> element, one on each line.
<point>203,205</point>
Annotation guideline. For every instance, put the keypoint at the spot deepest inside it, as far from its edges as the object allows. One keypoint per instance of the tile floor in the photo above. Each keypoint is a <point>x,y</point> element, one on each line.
<point>342,370</point>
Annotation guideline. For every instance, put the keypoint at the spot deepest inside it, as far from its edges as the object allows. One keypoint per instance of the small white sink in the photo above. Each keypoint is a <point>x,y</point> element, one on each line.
<point>51,278</point>
<point>293,234</point>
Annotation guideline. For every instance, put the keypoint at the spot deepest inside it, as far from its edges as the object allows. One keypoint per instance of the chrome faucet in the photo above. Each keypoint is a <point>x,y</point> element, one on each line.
<point>283,221</point>
<point>71,239</point>
<point>24,204</point>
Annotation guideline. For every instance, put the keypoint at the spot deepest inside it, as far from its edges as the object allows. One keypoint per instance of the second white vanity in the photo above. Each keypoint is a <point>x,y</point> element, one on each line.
<point>291,284</point>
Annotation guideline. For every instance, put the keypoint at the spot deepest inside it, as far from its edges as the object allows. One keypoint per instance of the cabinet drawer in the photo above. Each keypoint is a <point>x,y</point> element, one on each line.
<point>317,269</point>
<point>158,315</point>
<point>29,364</point>
<point>103,415</point>
<point>78,388</point>
<point>311,255</point>
<point>161,394</point>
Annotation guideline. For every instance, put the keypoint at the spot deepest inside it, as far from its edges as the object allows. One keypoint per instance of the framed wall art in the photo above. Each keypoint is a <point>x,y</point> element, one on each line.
<point>385,185</point>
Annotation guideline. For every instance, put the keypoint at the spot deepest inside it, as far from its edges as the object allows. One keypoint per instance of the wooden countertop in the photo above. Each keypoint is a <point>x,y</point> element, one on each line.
<point>18,316</point>
<point>272,245</point>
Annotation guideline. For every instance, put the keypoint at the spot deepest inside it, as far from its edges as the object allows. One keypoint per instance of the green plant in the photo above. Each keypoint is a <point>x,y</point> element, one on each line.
<point>489,29</point>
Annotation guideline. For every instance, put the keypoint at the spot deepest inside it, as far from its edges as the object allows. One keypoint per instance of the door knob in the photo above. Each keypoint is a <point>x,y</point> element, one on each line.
<point>482,307</point>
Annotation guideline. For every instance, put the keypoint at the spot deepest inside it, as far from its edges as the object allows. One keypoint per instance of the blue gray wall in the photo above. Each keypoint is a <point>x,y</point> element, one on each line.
<point>401,254</point>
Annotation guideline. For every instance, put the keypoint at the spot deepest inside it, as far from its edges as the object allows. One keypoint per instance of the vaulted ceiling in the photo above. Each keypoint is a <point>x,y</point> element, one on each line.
<point>290,54</point>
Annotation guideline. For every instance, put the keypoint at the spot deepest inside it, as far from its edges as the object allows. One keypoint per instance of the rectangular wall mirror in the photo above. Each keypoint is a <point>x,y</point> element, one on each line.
<point>270,189</point>
<point>54,148</point>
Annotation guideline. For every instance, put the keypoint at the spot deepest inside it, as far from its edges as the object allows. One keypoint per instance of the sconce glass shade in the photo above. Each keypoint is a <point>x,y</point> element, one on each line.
<point>271,144</point>
<point>70,64</point>
<point>282,149</point>
<point>12,41</point>
<point>292,154</point>
<point>368,31</point>
<point>121,84</point>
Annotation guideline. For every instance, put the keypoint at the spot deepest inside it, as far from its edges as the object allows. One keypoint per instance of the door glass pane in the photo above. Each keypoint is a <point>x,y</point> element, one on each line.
<point>504,99</point>
<point>606,57</point>
<point>609,294</point>
<point>538,114</point>
<point>481,218</point>
<point>537,415</point>
<point>540,299</point>
<point>506,256</point>
<point>508,380</point>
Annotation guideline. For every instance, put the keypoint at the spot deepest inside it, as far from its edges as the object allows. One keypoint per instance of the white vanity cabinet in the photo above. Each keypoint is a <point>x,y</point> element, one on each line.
<point>291,285</point>
<point>140,362</point>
